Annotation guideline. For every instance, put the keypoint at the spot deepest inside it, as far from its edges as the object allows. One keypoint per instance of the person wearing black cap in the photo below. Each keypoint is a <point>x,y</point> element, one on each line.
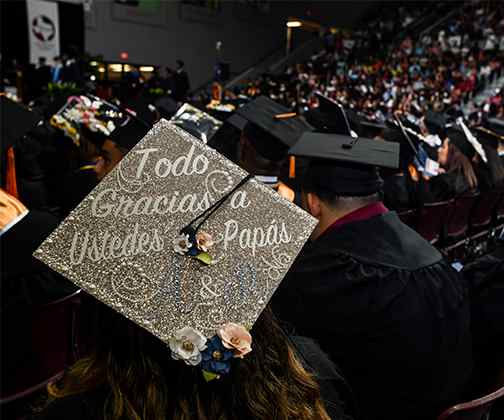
<point>15,122</point>
<point>120,142</point>
<point>401,187</point>
<point>331,117</point>
<point>182,85</point>
<point>269,129</point>
<point>455,158</point>
<point>227,138</point>
<point>81,180</point>
<point>385,305</point>
<point>490,173</point>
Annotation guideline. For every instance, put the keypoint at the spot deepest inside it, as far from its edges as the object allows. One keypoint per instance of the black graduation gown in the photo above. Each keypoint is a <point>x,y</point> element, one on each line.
<point>485,178</point>
<point>485,277</point>
<point>447,186</point>
<point>336,394</point>
<point>389,311</point>
<point>396,192</point>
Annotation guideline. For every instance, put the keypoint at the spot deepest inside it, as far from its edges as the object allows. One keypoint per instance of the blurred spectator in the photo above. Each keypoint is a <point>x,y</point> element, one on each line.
<point>57,70</point>
<point>43,73</point>
<point>181,82</point>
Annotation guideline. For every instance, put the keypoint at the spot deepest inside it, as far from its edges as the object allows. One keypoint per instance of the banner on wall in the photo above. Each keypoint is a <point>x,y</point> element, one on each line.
<point>43,30</point>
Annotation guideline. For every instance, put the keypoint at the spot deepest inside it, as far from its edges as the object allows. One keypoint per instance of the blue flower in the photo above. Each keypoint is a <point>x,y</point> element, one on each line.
<point>193,250</point>
<point>216,358</point>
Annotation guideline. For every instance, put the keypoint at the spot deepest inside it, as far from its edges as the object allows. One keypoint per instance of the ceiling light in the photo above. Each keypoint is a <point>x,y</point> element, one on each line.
<point>294,24</point>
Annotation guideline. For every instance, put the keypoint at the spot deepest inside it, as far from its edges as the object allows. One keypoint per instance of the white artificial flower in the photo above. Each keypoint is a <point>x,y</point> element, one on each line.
<point>74,115</point>
<point>181,244</point>
<point>86,101</point>
<point>110,126</point>
<point>187,345</point>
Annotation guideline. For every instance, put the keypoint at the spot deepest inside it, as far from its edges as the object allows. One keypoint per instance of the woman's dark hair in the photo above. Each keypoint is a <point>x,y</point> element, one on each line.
<point>141,381</point>
<point>457,161</point>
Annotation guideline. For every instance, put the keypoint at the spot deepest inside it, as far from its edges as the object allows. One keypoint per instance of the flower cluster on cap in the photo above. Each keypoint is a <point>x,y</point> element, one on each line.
<point>95,114</point>
<point>213,355</point>
<point>192,244</point>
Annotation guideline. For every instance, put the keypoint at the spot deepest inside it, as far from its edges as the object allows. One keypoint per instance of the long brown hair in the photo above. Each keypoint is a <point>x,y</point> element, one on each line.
<point>140,381</point>
<point>457,161</point>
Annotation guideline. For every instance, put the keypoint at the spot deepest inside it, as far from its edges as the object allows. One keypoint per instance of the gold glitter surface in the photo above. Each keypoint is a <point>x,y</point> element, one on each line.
<point>118,243</point>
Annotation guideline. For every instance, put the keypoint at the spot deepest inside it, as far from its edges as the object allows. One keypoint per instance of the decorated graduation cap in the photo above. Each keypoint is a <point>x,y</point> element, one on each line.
<point>98,118</point>
<point>16,120</point>
<point>183,243</point>
<point>196,122</point>
<point>344,165</point>
<point>271,128</point>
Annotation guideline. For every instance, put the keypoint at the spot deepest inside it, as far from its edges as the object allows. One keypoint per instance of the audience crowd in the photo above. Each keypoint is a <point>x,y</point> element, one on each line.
<point>440,70</point>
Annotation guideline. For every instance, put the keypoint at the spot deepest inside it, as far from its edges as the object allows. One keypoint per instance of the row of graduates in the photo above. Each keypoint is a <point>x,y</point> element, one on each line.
<point>463,168</point>
<point>383,304</point>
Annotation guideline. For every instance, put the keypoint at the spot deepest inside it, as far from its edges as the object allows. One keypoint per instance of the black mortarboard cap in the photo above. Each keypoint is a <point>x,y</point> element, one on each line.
<point>435,123</point>
<point>237,121</point>
<point>143,108</point>
<point>373,124</point>
<point>270,135</point>
<point>166,107</point>
<point>459,139</point>
<point>340,148</point>
<point>370,127</point>
<point>408,147</point>
<point>344,165</point>
<point>16,121</point>
<point>330,117</point>
<point>410,124</point>
<point>487,137</point>
<point>496,125</point>
<point>130,132</point>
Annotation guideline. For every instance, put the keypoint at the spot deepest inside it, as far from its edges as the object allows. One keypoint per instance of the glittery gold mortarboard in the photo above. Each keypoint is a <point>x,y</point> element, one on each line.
<point>118,243</point>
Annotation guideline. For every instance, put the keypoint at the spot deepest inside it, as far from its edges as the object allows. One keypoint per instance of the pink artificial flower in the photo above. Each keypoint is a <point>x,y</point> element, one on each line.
<point>236,338</point>
<point>204,241</point>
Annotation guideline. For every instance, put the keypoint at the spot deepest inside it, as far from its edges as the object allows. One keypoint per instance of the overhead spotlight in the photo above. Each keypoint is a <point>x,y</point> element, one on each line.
<point>146,69</point>
<point>93,77</point>
<point>101,69</point>
<point>294,24</point>
<point>93,63</point>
